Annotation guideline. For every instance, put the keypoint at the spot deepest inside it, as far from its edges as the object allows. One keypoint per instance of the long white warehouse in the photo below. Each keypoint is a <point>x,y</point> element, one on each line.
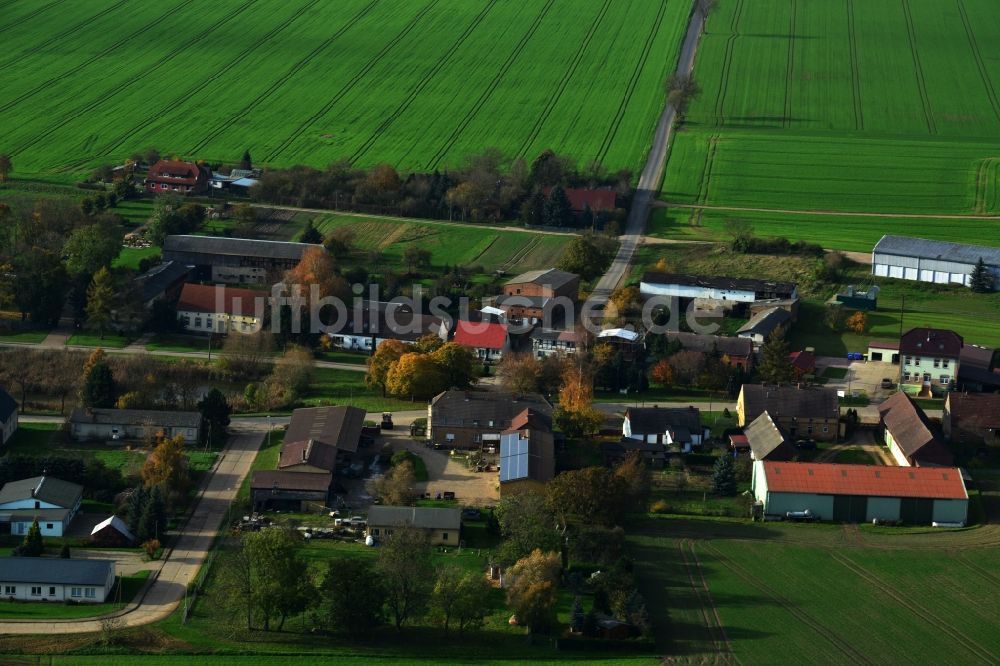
<point>925,260</point>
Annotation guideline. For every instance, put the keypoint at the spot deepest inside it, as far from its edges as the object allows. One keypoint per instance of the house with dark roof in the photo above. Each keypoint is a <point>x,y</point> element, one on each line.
<point>163,282</point>
<point>979,369</point>
<point>281,490</point>
<point>52,579</point>
<point>972,417</point>
<point>803,411</point>
<point>542,296</point>
<point>177,176</point>
<point>476,419</point>
<point>489,341</point>
<point>931,359</point>
<point>599,200</point>
<point>678,426</point>
<point>208,308</point>
<point>235,260</point>
<point>908,433</point>
<point>613,453</point>
<point>375,322</point>
<point>940,262</point>
<point>53,502</point>
<point>317,436</point>
<point>738,351</point>
<point>548,283</point>
<point>546,342</point>
<point>136,424</point>
<point>442,526</point>
<point>724,290</point>
<point>527,454</point>
<point>8,416</point>
<point>767,440</point>
<point>763,324</point>
<point>861,493</point>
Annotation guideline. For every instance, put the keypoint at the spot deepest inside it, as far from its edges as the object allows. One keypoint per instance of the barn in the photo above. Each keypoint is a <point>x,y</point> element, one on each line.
<point>861,493</point>
<point>908,258</point>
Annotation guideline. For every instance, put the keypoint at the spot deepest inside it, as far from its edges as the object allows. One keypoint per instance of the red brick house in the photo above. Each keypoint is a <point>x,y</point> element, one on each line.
<point>177,176</point>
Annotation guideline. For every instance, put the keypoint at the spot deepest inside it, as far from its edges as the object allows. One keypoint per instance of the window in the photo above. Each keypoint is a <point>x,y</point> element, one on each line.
<point>937,363</point>
<point>90,593</point>
<point>52,591</point>
<point>9,589</point>
<point>826,428</point>
<point>76,592</point>
<point>36,591</point>
<point>908,360</point>
<point>38,505</point>
<point>927,376</point>
<point>197,322</point>
<point>906,376</point>
<point>945,379</point>
<point>944,363</point>
<point>444,536</point>
<point>374,531</point>
<point>48,526</point>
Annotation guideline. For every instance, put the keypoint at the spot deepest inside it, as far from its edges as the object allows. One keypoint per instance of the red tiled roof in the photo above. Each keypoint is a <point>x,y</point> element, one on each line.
<point>205,298</point>
<point>883,344</point>
<point>974,410</point>
<point>175,172</point>
<point>868,480</point>
<point>803,360</point>
<point>931,342</point>
<point>580,198</point>
<point>480,335</point>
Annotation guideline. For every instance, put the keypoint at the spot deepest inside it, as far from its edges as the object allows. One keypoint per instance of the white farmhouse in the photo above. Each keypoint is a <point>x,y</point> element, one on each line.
<point>55,579</point>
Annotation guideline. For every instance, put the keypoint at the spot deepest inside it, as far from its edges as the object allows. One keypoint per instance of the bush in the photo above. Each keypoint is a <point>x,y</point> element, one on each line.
<point>150,547</point>
<point>659,506</point>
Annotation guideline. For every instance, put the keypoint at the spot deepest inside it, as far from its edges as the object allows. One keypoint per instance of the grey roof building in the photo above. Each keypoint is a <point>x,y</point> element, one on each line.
<point>133,424</point>
<point>235,260</point>
<point>429,518</point>
<point>925,260</point>
<point>163,281</point>
<point>45,489</point>
<point>338,427</point>
<point>768,440</point>
<point>763,324</point>
<point>53,502</point>
<point>56,579</point>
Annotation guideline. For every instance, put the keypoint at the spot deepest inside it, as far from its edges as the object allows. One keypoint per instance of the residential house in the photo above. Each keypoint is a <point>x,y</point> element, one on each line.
<point>53,579</point>
<point>803,411</point>
<point>112,533</point>
<point>235,260</point>
<point>763,324</point>
<point>908,433</point>
<point>374,322</point>
<point>163,282</point>
<point>738,351</point>
<point>443,527</point>
<point>318,436</point>
<point>739,443</point>
<point>925,260</point>
<point>137,424</point>
<point>679,426</point>
<point>539,296</point>
<point>931,360</point>
<point>546,342</point>
<point>861,493</point>
<point>624,340</point>
<point>53,502</point>
<point>205,308</point>
<point>979,369</point>
<point>8,416</point>
<point>527,454</point>
<point>972,417</point>
<point>883,351</point>
<point>177,176</point>
<point>596,200</point>
<point>767,440</point>
<point>476,419</point>
<point>289,490</point>
<point>488,340</point>
<point>803,363</point>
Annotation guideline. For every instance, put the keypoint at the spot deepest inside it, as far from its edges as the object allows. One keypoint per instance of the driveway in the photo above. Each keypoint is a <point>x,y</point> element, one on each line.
<point>448,474</point>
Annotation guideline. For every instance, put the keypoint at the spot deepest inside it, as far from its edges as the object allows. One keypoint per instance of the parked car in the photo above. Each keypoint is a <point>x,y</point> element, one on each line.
<point>387,421</point>
<point>471,514</point>
<point>357,521</point>
<point>806,444</point>
<point>887,383</point>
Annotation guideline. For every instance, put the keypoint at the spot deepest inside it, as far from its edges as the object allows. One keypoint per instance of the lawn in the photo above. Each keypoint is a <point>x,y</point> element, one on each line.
<point>38,610</point>
<point>874,107</point>
<point>331,386</point>
<point>266,458</point>
<point>94,339</point>
<point>420,85</point>
<point>354,358</point>
<point>129,257</point>
<point>178,343</point>
<point>31,438</point>
<point>23,337</point>
<point>853,456</point>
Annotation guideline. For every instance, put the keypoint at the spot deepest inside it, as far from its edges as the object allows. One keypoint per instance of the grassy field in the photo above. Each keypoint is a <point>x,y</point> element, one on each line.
<point>331,386</point>
<point>881,106</point>
<point>129,257</point>
<point>416,84</point>
<point>93,339</point>
<point>24,337</point>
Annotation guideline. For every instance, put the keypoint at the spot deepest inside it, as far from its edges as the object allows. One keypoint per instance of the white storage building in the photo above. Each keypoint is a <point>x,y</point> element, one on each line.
<point>925,260</point>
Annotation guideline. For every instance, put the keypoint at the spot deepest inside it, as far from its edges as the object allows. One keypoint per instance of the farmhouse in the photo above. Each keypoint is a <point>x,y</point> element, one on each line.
<point>141,424</point>
<point>539,296</point>
<point>714,288</point>
<point>8,416</point>
<point>52,501</point>
<point>763,324</point>
<point>972,417</point>
<point>163,282</point>
<point>374,322</point>
<point>615,452</point>
<point>601,200</point>
<point>861,493</point>
<point>767,440</point>
<point>527,455</point>
<point>489,341</point>
<point>909,435</point>
<point>665,426</point>
<point>547,283</point>
<point>545,342</point>
<point>442,526</point>
<point>802,411</point>
<point>56,579</point>
<point>177,176</point>
<point>475,419</point>
<point>931,261</point>
<point>739,351</point>
<point>979,369</point>
<point>235,260</point>
<point>279,490</point>
<point>623,340</point>
<point>931,359</point>
<point>317,435</point>
<point>205,308</point>
<point>112,533</point>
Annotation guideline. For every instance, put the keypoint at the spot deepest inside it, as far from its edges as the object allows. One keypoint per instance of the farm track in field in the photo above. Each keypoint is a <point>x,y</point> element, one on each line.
<point>727,62</point>
<point>709,613</point>
<point>978,56</point>
<point>520,255</point>
<point>790,69</point>
<point>279,82</point>
<point>110,49</point>
<point>972,566</point>
<point>233,63</point>
<point>609,136</point>
<point>817,626</point>
<point>706,170</point>
<point>567,75</point>
<point>347,87</point>
<point>918,70</point>
<point>982,184</point>
<point>62,35</point>
<point>491,88</point>
<point>859,114</point>
<point>424,82</point>
<point>30,16</point>
<point>920,611</point>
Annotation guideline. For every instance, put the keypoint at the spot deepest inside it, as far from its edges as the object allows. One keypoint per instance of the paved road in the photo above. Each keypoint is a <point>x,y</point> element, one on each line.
<point>652,173</point>
<point>190,549</point>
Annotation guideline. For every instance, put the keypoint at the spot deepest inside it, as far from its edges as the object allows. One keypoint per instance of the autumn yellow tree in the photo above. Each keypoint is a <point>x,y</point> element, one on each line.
<point>167,466</point>
<point>533,591</point>
<point>316,268</point>
<point>518,373</point>
<point>381,363</point>
<point>575,414</point>
<point>623,303</point>
<point>858,323</point>
<point>415,376</point>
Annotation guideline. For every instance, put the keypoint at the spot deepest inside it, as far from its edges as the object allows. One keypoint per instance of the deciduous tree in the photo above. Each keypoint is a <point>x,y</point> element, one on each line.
<point>381,363</point>
<point>518,373</point>
<point>857,323</point>
<point>533,591</point>
<point>280,587</point>
<point>662,373</point>
<point>396,487</point>
<point>526,522</point>
<point>100,300</point>
<point>415,376</point>
<point>92,247</point>
<point>404,566</point>
<point>247,356</point>
<point>167,466</point>
<point>457,364</point>
<point>353,596</point>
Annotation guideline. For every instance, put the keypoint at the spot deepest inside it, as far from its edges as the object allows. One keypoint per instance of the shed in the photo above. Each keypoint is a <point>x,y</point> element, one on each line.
<point>112,532</point>
<point>768,440</point>
<point>443,526</point>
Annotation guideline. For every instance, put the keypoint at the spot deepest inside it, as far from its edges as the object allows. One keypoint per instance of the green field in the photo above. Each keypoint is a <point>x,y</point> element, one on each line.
<point>419,85</point>
<point>877,107</point>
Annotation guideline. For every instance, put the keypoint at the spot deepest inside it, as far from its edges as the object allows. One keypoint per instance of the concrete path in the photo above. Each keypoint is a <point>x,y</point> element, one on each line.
<point>652,173</point>
<point>191,547</point>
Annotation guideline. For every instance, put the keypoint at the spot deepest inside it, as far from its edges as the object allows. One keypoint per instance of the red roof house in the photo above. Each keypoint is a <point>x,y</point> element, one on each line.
<point>177,176</point>
<point>582,198</point>
<point>868,480</point>
<point>803,363</point>
<point>213,308</point>
<point>488,340</point>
